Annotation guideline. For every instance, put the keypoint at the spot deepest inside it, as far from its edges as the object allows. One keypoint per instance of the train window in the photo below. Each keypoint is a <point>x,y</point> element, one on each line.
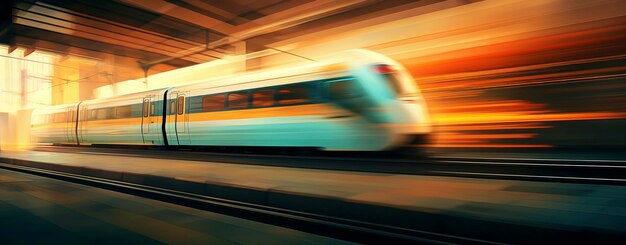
<point>213,102</point>
<point>391,76</point>
<point>59,117</point>
<point>193,104</point>
<point>84,115</point>
<point>172,107</point>
<point>238,100</point>
<point>181,105</point>
<point>92,115</point>
<point>104,113</point>
<point>261,98</point>
<point>294,94</point>
<point>110,112</point>
<point>123,112</point>
<point>136,110</point>
<point>152,109</point>
<point>394,82</point>
<point>341,89</point>
<point>146,106</point>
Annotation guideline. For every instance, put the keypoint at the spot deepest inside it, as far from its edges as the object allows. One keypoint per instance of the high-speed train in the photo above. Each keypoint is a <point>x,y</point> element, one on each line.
<point>357,101</point>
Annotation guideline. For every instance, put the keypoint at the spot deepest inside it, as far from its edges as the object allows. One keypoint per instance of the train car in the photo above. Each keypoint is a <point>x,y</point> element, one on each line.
<point>132,119</point>
<point>55,124</point>
<point>357,101</point>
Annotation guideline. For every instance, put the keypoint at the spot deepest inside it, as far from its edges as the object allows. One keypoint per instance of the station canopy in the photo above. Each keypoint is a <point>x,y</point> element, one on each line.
<point>176,33</point>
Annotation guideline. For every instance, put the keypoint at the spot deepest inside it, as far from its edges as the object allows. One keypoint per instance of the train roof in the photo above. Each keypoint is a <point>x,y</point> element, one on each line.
<point>329,65</point>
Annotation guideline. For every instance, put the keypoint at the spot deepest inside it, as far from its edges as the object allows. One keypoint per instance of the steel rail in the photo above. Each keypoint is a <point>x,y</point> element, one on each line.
<point>608,172</point>
<point>341,228</point>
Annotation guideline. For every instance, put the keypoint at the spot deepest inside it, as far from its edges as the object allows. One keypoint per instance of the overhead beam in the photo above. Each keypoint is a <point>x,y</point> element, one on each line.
<point>211,8</point>
<point>12,48</point>
<point>82,21</point>
<point>188,15</point>
<point>59,43</point>
<point>29,51</point>
<point>102,34</point>
<point>304,13</point>
<point>294,16</point>
<point>123,15</point>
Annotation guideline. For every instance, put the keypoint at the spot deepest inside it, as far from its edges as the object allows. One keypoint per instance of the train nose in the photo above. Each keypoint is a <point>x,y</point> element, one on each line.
<point>411,128</point>
<point>416,117</point>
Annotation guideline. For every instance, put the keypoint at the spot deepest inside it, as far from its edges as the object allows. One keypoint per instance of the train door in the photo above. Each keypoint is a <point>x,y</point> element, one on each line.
<point>148,120</point>
<point>68,125</point>
<point>171,118</point>
<point>181,119</point>
<point>83,119</point>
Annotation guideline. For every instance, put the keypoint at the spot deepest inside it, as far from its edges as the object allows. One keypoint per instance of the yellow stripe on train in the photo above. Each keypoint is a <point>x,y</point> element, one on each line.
<point>268,112</point>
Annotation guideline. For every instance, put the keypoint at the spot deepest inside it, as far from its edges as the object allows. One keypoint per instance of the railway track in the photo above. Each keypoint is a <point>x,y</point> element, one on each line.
<point>346,229</point>
<point>609,172</point>
<point>362,231</point>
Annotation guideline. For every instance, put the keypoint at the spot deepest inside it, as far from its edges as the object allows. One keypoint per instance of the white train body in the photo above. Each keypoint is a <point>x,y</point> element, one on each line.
<point>359,100</point>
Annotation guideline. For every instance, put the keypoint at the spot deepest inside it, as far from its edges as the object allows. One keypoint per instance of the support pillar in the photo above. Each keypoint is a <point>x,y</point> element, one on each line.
<point>239,51</point>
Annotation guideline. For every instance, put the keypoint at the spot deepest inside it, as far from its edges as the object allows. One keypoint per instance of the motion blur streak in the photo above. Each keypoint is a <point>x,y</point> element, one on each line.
<point>523,73</point>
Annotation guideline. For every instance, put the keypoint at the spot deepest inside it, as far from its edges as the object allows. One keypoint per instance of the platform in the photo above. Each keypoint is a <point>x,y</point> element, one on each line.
<point>59,212</point>
<point>497,210</point>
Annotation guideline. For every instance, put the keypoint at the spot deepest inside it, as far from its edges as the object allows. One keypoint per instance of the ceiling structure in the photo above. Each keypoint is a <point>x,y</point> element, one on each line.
<point>176,33</point>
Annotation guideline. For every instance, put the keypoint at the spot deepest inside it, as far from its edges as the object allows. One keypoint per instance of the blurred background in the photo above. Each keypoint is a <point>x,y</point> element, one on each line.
<point>496,74</point>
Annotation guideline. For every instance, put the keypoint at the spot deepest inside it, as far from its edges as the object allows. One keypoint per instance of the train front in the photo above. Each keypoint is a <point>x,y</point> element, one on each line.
<point>395,99</point>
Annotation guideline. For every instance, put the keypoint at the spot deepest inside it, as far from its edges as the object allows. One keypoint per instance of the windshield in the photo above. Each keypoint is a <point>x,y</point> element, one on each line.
<point>395,79</point>
<point>394,82</point>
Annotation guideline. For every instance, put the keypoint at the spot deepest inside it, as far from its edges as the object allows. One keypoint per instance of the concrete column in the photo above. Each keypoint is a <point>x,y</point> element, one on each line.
<point>238,52</point>
<point>23,128</point>
<point>24,88</point>
<point>4,130</point>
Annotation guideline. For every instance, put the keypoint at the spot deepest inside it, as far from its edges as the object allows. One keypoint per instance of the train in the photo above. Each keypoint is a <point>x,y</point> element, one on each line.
<point>357,100</point>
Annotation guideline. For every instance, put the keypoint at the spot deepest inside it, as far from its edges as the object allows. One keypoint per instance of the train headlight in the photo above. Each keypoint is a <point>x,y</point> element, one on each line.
<point>384,69</point>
